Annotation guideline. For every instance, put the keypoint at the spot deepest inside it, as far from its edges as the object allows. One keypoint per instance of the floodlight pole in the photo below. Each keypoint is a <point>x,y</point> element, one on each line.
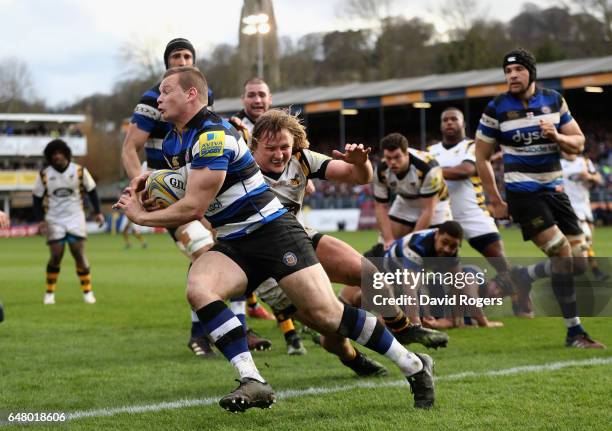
<point>260,54</point>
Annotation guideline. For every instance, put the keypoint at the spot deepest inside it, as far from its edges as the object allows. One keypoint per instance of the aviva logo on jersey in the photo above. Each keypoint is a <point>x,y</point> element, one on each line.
<point>211,143</point>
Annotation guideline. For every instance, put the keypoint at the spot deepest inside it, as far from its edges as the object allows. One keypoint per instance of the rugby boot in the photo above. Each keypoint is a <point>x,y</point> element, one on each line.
<point>259,312</point>
<point>250,393</point>
<point>422,384</point>
<point>256,342</point>
<point>583,341</point>
<point>365,367</point>
<point>429,338</point>
<point>295,346</point>
<point>201,347</point>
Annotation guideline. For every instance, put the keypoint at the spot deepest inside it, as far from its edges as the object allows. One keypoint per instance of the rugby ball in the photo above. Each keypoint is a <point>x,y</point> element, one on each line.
<point>165,186</point>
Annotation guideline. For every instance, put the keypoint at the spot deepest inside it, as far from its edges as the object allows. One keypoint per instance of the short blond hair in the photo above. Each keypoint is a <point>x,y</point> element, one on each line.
<point>188,77</point>
<point>274,121</point>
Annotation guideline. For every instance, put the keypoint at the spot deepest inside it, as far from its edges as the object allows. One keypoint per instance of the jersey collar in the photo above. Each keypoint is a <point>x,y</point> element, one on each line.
<point>198,119</point>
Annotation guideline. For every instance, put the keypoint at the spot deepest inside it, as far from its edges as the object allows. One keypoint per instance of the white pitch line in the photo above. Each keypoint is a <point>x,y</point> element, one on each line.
<point>294,393</point>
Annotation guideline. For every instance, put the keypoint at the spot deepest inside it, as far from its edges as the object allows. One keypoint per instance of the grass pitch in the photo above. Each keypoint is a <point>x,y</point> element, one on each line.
<point>129,350</point>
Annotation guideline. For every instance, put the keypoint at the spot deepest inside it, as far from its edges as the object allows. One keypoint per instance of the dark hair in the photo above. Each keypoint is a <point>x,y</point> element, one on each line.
<point>175,44</point>
<point>524,58</point>
<point>451,108</point>
<point>188,77</point>
<point>452,228</point>
<point>393,141</point>
<point>57,145</point>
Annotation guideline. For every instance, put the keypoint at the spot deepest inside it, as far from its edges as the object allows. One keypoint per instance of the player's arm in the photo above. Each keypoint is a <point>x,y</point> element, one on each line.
<point>484,152</point>
<point>591,175</point>
<point>134,142</point>
<point>461,171</point>
<point>352,166</point>
<point>428,206</point>
<point>381,210</point>
<point>202,187</point>
<point>569,137</point>
<point>5,221</point>
<point>38,195</point>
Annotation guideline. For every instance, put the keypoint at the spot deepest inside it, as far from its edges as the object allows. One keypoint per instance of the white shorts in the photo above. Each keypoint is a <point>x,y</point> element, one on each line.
<point>409,211</point>
<point>586,229</point>
<point>477,225</point>
<point>271,293</point>
<point>73,225</point>
<point>583,212</point>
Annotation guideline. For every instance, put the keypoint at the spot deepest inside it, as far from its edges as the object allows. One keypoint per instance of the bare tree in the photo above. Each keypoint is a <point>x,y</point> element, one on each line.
<point>141,58</point>
<point>602,9</point>
<point>15,81</point>
<point>461,15</point>
<point>366,9</point>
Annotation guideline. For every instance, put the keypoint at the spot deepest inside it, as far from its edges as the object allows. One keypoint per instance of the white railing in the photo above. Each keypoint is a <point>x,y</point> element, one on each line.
<point>11,145</point>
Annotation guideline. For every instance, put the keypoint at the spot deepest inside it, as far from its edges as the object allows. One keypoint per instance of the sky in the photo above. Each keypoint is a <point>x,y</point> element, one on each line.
<point>75,48</point>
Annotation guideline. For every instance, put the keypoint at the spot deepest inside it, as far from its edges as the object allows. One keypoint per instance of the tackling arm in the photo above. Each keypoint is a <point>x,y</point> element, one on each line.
<point>135,140</point>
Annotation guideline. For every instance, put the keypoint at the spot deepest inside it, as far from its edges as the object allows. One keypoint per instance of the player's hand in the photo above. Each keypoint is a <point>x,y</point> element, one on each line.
<point>130,204</point>
<point>500,210</point>
<point>100,219</point>
<point>549,130</point>
<point>355,154</point>
<point>42,228</point>
<point>149,204</point>
<point>137,184</point>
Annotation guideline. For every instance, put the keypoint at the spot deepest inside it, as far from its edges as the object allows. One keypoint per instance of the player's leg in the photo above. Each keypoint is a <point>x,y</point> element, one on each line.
<point>56,253</point>
<point>125,233</point>
<point>568,256</point>
<point>77,249</point>
<point>589,232</point>
<point>343,264</point>
<point>136,232</point>
<point>193,239</point>
<point>213,278</point>
<point>310,290</point>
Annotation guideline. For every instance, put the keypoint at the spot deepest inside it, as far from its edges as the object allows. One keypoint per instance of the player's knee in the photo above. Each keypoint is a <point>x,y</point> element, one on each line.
<point>324,318</point>
<point>558,245</point>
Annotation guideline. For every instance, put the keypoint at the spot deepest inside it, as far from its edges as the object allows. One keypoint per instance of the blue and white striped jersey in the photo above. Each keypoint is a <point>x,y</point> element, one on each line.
<point>244,202</point>
<point>531,161</point>
<point>148,119</point>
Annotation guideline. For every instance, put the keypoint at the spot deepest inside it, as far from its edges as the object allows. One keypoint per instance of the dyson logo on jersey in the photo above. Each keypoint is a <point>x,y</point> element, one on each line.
<point>527,137</point>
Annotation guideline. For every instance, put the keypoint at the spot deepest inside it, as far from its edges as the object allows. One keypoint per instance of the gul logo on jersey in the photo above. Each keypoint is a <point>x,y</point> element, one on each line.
<point>211,144</point>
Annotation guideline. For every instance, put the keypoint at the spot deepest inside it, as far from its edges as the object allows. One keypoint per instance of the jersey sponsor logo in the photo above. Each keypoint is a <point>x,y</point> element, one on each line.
<point>290,259</point>
<point>527,137</point>
<point>63,192</point>
<point>211,144</point>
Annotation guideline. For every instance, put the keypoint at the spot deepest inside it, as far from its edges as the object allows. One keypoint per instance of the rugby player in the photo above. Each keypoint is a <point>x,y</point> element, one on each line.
<point>456,155</point>
<point>533,125</point>
<point>281,149</point>
<point>579,175</point>
<point>437,250</point>
<point>257,239</point>
<point>146,130</point>
<point>58,203</point>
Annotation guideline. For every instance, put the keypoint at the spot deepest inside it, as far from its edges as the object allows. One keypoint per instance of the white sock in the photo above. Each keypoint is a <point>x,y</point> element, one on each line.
<point>408,362</point>
<point>246,366</point>
<point>238,307</point>
<point>574,321</point>
<point>194,316</point>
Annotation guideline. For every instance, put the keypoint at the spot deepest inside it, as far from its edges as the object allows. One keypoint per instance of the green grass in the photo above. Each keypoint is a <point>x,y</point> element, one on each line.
<point>130,349</point>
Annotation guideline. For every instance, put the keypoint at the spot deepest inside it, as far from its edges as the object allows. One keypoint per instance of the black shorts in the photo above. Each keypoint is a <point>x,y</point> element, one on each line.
<point>276,250</point>
<point>536,212</point>
<point>377,250</point>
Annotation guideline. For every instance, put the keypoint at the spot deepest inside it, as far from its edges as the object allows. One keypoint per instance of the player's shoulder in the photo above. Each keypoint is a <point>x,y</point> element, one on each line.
<point>150,96</point>
<point>382,171</point>
<point>435,148</point>
<point>422,160</point>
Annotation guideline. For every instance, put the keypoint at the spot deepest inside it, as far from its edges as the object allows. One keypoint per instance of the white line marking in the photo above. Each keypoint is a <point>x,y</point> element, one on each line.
<point>294,393</point>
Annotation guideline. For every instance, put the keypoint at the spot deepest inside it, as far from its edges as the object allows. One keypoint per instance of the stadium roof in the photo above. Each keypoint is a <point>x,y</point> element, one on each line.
<point>432,88</point>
